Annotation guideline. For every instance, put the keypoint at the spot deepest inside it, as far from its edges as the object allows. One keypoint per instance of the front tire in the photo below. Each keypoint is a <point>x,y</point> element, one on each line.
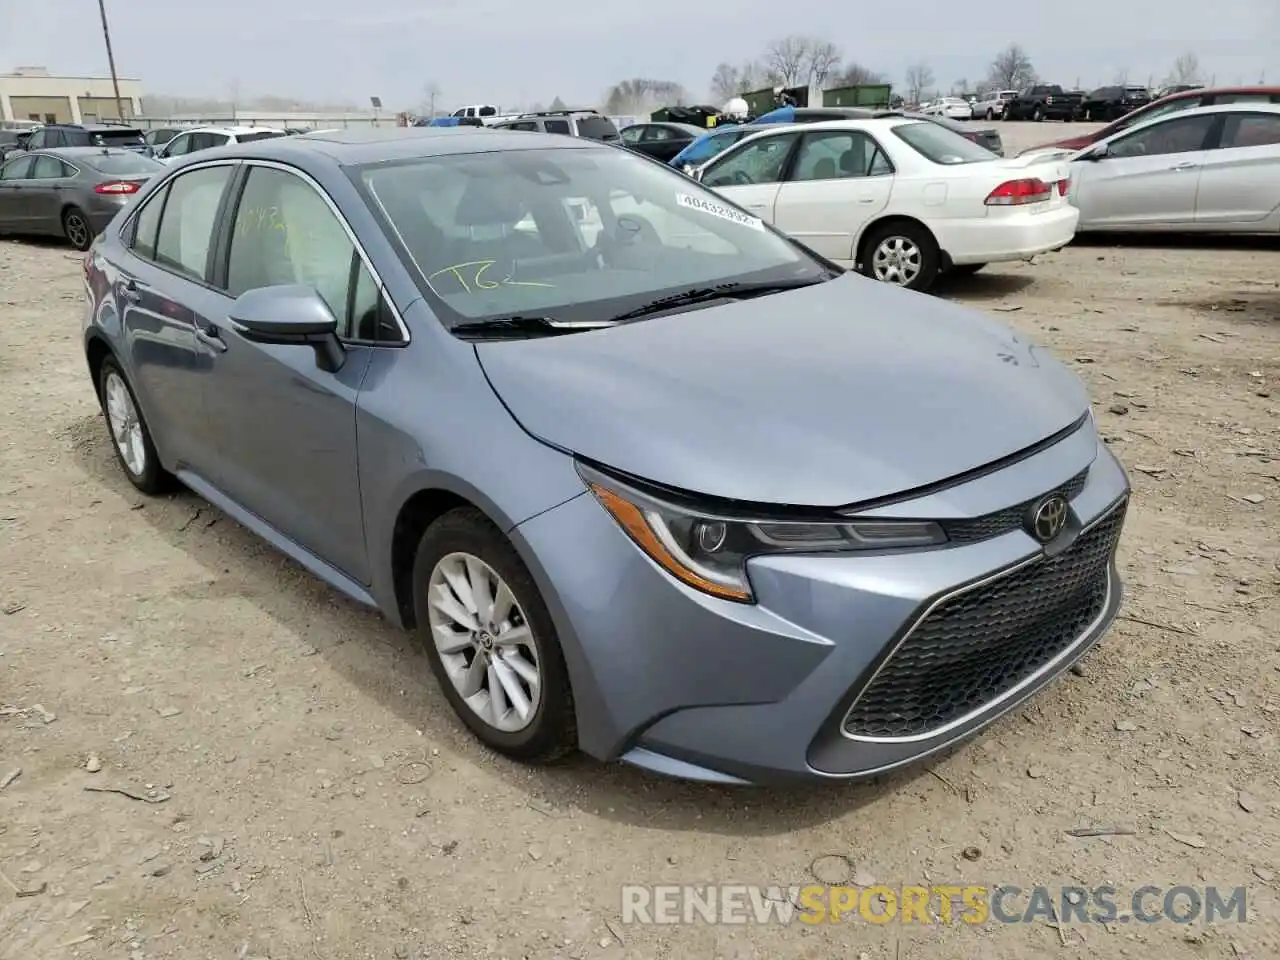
<point>904,254</point>
<point>130,435</point>
<point>1037,115</point>
<point>491,641</point>
<point>75,227</point>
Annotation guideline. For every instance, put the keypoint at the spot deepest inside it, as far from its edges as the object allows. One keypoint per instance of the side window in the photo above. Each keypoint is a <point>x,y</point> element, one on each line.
<point>557,126</point>
<point>838,155</point>
<point>524,125</point>
<point>1178,135</point>
<point>217,140</point>
<point>632,134</point>
<point>1219,98</point>
<point>178,146</point>
<point>38,141</point>
<point>285,233</point>
<point>147,224</point>
<point>760,161</point>
<point>1186,103</point>
<point>186,227</point>
<point>653,134</point>
<point>17,169</point>
<point>1251,130</point>
<point>47,168</point>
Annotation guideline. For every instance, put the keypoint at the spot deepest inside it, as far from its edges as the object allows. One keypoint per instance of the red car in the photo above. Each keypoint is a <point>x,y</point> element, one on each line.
<point>1201,97</point>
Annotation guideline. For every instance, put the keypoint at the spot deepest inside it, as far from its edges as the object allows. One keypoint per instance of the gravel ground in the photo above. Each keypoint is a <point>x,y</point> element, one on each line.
<point>297,788</point>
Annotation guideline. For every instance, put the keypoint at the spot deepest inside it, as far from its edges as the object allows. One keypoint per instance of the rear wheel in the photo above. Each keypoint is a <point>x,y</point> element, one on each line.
<point>1038,114</point>
<point>129,432</point>
<point>904,254</point>
<point>491,641</point>
<point>990,114</point>
<point>75,226</point>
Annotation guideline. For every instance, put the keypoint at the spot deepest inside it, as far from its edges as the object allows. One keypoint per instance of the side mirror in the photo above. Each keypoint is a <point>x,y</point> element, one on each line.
<point>1100,152</point>
<point>290,315</point>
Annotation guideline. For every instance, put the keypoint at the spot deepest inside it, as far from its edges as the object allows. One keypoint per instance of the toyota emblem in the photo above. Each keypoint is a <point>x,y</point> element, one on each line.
<point>1048,517</point>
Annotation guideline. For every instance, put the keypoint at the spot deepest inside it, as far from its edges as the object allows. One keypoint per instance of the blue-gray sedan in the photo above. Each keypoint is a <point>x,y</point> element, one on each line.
<point>647,478</point>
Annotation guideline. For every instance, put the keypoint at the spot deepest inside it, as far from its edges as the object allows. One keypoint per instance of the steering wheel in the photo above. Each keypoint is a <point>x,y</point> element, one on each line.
<point>743,178</point>
<point>634,234</point>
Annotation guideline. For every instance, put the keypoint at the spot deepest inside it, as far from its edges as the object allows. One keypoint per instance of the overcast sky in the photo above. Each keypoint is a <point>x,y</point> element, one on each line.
<point>510,53</point>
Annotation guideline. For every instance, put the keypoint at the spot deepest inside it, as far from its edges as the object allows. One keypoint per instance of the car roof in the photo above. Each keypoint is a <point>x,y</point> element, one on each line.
<point>91,126</point>
<point>235,131</point>
<point>1210,110</point>
<point>71,153</point>
<point>1202,91</point>
<point>371,145</point>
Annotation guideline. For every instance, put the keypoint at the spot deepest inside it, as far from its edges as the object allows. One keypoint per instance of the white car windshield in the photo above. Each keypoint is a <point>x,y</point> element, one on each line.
<point>579,233</point>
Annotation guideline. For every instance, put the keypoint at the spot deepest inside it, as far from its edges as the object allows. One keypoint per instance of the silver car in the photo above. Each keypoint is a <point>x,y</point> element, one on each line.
<point>647,478</point>
<point>71,192</point>
<point>1205,170</point>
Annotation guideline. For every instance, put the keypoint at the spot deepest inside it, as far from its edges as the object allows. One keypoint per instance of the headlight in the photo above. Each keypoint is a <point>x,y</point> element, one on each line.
<point>708,550</point>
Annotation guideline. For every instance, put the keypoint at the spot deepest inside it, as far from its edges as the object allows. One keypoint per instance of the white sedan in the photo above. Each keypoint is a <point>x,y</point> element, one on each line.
<point>1203,170</point>
<point>953,108</point>
<point>901,200</point>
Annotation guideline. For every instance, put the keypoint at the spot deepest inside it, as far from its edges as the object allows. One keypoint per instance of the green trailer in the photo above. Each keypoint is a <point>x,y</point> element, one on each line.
<point>872,96</point>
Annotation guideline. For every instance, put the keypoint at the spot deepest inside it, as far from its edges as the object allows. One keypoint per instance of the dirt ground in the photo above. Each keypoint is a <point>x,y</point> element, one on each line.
<point>297,787</point>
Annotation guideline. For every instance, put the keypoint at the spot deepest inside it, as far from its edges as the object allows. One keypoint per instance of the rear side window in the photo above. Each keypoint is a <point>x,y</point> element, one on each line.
<point>1251,130</point>
<point>16,169</point>
<point>50,168</point>
<point>941,145</point>
<point>597,128</point>
<point>557,126</point>
<point>147,224</point>
<point>1238,98</point>
<point>523,125</point>
<point>186,228</point>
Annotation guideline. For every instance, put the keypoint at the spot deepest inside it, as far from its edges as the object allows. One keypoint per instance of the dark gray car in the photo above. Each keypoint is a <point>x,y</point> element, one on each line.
<point>72,193</point>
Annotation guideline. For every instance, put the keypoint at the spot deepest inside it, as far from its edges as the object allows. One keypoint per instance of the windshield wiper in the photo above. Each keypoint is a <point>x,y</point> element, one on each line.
<point>525,326</point>
<point>722,291</point>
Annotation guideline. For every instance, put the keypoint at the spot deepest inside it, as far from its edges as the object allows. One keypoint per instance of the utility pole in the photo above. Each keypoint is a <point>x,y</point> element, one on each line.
<point>111,59</point>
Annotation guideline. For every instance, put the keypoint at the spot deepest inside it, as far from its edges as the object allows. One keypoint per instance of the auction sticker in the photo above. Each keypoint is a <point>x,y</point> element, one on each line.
<point>717,210</point>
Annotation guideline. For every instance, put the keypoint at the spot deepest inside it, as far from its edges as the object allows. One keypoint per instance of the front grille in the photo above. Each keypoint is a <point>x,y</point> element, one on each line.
<point>1010,518</point>
<point>975,647</point>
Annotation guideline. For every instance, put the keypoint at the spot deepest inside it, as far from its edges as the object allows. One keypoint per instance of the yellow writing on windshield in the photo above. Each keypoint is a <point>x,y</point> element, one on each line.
<point>472,276</point>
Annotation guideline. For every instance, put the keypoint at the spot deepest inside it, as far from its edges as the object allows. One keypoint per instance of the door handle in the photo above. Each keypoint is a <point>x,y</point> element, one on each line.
<point>130,291</point>
<point>208,335</point>
<point>1185,165</point>
<point>866,199</point>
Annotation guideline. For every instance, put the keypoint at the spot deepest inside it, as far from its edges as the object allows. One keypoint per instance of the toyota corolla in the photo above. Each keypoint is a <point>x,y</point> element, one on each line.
<point>649,479</point>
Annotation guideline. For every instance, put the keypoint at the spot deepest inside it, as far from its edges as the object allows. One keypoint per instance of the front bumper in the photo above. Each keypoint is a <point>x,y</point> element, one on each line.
<point>817,680</point>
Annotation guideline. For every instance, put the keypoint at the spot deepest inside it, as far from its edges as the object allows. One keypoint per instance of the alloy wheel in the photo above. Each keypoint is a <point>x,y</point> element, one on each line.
<point>897,260</point>
<point>77,231</point>
<point>485,643</point>
<point>126,427</point>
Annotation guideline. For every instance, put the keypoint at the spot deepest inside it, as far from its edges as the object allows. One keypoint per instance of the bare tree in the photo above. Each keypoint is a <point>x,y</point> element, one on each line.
<point>750,77</point>
<point>919,78</point>
<point>638,94</point>
<point>1186,69</point>
<point>557,104</point>
<point>960,86</point>
<point>856,75</point>
<point>789,58</point>
<point>1012,69</point>
<point>725,82</point>
<point>824,58</point>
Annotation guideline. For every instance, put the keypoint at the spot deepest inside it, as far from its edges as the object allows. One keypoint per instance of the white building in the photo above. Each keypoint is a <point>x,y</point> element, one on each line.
<point>32,93</point>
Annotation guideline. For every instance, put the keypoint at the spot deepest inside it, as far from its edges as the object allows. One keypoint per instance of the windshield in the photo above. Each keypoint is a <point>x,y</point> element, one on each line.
<point>125,164</point>
<point>118,138</point>
<point>260,135</point>
<point>572,233</point>
<point>940,145</point>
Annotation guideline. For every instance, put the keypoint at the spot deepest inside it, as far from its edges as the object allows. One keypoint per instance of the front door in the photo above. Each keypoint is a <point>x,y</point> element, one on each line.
<point>840,179</point>
<point>286,430</point>
<point>1147,177</point>
<point>15,211</point>
<point>750,174</point>
<point>1240,182</point>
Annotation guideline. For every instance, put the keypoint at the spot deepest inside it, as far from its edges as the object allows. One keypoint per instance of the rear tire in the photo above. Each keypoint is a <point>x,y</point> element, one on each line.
<point>990,114</point>
<point>1037,115</point>
<point>464,561</point>
<point>75,227</point>
<point>904,254</point>
<point>130,435</point>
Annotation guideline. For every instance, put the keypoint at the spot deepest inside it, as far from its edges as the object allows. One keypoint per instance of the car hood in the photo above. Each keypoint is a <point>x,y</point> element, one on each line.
<point>830,395</point>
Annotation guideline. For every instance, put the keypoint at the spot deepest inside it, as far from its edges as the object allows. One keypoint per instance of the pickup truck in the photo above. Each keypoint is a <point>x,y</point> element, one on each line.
<point>1112,103</point>
<point>1044,101</point>
<point>991,106</point>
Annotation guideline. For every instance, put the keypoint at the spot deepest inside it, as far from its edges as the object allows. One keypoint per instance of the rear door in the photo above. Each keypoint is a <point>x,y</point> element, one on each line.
<point>837,182</point>
<point>750,174</point>
<point>1240,180</point>
<point>1148,178</point>
<point>164,294</point>
<point>47,193</point>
